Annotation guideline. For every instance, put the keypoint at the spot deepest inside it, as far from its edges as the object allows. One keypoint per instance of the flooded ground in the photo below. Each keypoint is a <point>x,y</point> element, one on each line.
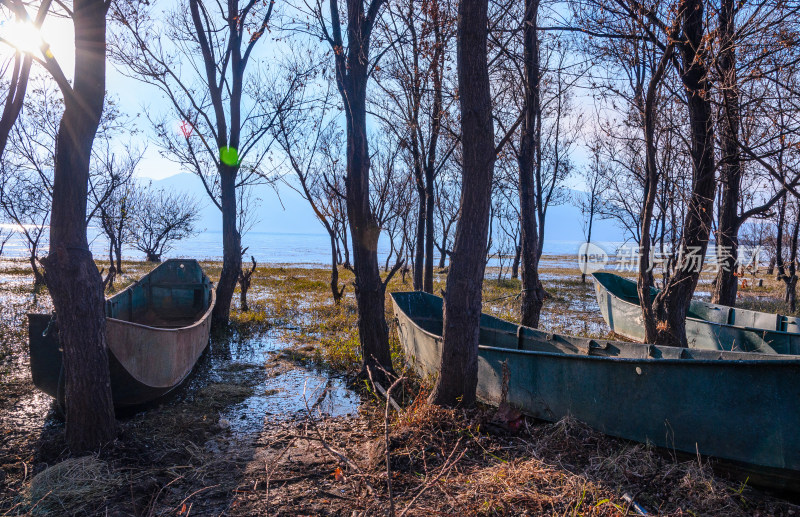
<point>271,421</point>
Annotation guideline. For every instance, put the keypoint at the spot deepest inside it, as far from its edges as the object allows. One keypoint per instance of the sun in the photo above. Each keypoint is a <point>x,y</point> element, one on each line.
<point>23,36</point>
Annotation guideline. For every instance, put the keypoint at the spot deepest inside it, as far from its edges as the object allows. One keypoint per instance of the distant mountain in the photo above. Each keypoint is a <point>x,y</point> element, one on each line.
<point>290,213</point>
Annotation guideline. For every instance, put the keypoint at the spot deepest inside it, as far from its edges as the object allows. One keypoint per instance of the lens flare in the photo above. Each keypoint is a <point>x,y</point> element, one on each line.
<point>23,36</point>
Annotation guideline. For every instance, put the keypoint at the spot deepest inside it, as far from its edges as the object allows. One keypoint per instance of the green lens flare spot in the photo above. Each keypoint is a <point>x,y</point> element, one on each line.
<point>229,156</point>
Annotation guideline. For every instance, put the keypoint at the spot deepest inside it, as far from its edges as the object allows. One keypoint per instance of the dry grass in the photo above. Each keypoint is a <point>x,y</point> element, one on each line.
<point>73,486</point>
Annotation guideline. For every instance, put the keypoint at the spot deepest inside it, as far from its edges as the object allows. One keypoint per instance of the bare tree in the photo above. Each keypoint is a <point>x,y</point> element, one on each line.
<point>458,371</point>
<point>590,202</point>
<point>414,107</point>
<point>311,142</point>
<point>352,63</point>
<point>112,196</point>
<point>198,56</point>
<point>72,277</point>
<point>160,219</point>
<point>20,70</point>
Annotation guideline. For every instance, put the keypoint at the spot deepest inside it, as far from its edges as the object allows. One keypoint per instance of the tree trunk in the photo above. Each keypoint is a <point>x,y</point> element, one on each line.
<point>38,278</point>
<point>458,372</point>
<point>153,257</point>
<point>588,240</point>
<point>118,251</point>
<point>672,304</point>
<point>419,249</point>
<point>515,263</point>
<point>429,236</point>
<point>351,78</point>
<point>532,291</point>
<point>725,286</point>
<point>72,277</point>
<point>443,250</point>
<point>231,246</point>
<point>335,292</point>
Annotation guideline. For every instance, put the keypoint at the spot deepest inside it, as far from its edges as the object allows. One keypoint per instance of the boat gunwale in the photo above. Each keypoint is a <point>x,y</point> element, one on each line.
<point>197,322</point>
<point>707,322</point>
<point>669,360</point>
<point>202,319</point>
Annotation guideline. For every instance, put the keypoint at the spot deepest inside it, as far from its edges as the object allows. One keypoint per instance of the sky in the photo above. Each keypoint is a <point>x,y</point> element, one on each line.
<point>135,97</point>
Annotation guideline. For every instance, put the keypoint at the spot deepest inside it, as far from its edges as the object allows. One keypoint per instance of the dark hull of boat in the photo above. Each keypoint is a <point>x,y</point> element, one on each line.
<point>146,361</point>
<point>708,326</point>
<point>739,407</point>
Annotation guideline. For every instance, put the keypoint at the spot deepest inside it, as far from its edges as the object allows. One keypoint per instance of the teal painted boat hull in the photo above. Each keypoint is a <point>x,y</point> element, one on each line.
<point>156,330</point>
<point>708,326</point>
<point>686,400</point>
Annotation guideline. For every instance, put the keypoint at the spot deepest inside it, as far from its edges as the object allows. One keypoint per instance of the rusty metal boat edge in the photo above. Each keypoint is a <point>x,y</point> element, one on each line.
<point>738,407</point>
<point>708,326</point>
<point>146,361</point>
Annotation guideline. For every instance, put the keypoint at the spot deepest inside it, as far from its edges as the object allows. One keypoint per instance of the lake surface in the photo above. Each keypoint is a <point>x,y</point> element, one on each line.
<point>266,247</point>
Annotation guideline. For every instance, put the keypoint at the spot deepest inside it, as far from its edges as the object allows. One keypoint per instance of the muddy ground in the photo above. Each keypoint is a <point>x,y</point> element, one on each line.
<point>273,422</point>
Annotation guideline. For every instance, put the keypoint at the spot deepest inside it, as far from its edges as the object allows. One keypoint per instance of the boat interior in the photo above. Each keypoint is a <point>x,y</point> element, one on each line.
<point>626,290</point>
<point>425,310</point>
<point>174,295</point>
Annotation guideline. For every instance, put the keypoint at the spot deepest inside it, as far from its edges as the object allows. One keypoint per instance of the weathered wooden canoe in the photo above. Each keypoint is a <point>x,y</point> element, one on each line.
<point>740,407</point>
<point>156,330</point>
<point>708,326</point>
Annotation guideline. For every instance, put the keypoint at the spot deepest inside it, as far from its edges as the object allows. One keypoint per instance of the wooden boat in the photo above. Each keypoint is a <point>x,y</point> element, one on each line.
<point>737,406</point>
<point>156,331</point>
<point>708,326</point>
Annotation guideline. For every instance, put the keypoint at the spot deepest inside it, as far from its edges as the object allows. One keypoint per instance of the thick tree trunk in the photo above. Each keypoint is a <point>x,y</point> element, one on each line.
<point>231,246</point>
<point>458,372</point>
<point>533,293</point>
<point>725,286</point>
<point>672,304</point>
<point>72,277</point>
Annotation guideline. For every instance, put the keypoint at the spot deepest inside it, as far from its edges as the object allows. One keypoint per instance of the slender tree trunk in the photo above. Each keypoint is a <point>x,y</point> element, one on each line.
<point>231,246</point>
<point>672,303</point>
<point>351,77</point>
<point>38,278</point>
<point>443,249</point>
<point>419,247</point>
<point>532,291</point>
<point>335,292</point>
<point>458,372</point>
<point>725,286</point>
<point>429,236</point>
<point>588,240</point>
<point>118,252</point>
<point>515,263</point>
<point>72,277</point>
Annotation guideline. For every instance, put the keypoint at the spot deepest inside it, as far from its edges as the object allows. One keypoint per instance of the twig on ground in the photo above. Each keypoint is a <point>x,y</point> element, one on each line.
<point>445,469</point>
<point>386,439</point>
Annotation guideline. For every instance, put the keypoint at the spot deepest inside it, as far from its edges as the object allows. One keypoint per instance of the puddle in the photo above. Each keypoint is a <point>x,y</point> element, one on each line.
<point>280,389</point>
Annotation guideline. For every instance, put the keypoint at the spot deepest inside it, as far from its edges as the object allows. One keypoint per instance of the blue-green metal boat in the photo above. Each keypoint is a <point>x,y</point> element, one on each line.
<point>708,326</point>
<point>740,407</point>
<point>156,330</point>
